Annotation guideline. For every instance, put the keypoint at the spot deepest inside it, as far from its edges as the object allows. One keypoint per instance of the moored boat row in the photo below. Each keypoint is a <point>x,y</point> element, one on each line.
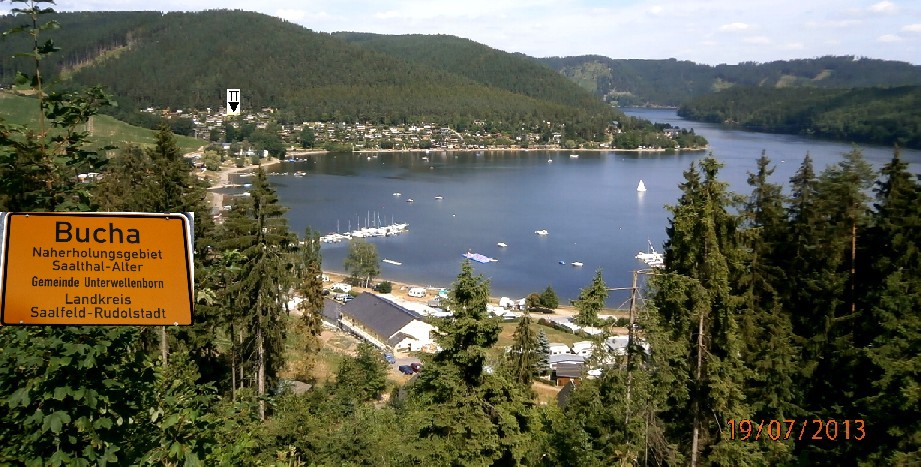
<point>366,232</point>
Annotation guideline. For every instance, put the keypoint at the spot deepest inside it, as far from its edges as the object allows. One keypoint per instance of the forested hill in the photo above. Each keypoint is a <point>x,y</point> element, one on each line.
<point>884,116</point>
<point>673,82</point>
<point>516,73</point>
<point>184,60</point>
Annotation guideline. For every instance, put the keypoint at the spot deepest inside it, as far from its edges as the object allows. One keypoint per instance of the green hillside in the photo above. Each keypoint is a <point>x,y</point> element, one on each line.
<point>494,68</point>
<point>104,130</point>
<point>188,60</point>
<point>885,116</point>
<point>673,82</point>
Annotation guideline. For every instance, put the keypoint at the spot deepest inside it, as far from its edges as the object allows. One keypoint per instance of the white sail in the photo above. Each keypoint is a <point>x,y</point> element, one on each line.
<point>641,186</point>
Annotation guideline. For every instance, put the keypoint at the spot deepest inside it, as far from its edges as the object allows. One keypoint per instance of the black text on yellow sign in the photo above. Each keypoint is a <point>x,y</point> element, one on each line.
<point>96,269</point>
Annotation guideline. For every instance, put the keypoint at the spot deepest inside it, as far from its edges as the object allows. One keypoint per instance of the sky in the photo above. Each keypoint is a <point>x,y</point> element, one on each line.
<point>703,31</point>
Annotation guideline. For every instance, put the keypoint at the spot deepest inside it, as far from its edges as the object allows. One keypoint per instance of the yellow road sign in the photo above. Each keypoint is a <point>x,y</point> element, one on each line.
<point>96,268</point>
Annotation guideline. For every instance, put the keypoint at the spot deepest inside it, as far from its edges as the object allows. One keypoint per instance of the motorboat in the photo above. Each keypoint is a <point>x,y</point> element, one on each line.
<point>541,232</point>
<point>652,258</point>
<point>502,244</point>
<point>576,264</point>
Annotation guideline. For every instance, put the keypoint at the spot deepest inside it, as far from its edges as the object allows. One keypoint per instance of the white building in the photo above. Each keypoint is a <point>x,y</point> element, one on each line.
<point>387,325</point>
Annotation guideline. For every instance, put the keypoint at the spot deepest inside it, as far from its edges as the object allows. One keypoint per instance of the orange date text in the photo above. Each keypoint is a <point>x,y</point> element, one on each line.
<point>798,429</point>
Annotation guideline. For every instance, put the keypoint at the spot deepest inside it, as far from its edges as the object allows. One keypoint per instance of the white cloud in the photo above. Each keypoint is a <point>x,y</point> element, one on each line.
<point>912,27</point>
<point>884,6</point>
<point>735,27</point>
<point>656,9</point>
<point>889,38</point>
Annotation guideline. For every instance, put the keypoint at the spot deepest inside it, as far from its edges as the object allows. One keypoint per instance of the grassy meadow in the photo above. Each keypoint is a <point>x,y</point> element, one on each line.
<point>104,130</point>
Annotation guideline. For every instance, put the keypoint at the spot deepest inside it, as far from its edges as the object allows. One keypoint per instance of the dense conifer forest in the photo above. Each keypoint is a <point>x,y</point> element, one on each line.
<point>783,330</point>
<point>883,116</point>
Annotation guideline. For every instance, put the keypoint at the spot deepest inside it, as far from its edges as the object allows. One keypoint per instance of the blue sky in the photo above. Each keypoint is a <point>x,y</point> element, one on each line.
<point>703,31</point>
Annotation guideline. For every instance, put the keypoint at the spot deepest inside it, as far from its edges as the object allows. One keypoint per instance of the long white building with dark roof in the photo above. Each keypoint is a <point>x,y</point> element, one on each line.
<point>386,324</point>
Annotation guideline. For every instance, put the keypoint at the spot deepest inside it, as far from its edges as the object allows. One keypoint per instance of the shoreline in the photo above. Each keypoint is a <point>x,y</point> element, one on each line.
<point>398,287</point>
<point>443,150</point>
<point>221,178</point>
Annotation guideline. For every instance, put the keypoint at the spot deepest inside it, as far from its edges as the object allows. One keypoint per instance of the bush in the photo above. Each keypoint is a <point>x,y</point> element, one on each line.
<point>384,287</point>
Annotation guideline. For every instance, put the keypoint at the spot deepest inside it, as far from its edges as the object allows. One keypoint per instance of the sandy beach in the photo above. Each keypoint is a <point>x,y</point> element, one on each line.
<point>221,179</point>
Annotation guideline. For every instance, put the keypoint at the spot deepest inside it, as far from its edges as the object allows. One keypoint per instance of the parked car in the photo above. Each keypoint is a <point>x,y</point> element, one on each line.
<point>406,369</point>
<point>389,357</point>
<point>416,366</point>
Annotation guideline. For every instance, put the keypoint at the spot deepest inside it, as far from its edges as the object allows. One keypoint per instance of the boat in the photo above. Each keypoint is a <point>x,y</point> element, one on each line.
<point>541,232</point>
<point>549,160</point>
<point>397,194</point>
<point>573,156</point>
<point>641,186</point>
<point>576,264</point>
<point>390,261</point>
<point>478,257</point>
<point>409,200</point>
<point>562,262</point>
<point>300,173</point>
<point>439,197</point>
<point>652,258</point>
<point>502,244</point>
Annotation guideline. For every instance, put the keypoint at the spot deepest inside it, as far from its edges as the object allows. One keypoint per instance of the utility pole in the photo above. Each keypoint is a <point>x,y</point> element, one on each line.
<point>631,330</point>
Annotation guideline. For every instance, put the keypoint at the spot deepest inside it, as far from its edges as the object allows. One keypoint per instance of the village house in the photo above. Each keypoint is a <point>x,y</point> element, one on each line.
<point>386,325</point>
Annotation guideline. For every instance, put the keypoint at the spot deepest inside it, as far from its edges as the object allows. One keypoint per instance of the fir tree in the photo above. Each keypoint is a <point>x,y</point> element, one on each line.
<point>310,288</point>
<point>466,413</point>
<point>893,296</point>
<point>591,301</point>
<point>764,324</point>
<point>543,347</point>
<point>256,228</point>
<point>696,298</point>
<point>524,352</point>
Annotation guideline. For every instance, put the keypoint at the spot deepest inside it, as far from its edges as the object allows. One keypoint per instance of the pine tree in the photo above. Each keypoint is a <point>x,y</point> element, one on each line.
<point>765,325</point>
<point>543,347</point>
<point>310,288</point>
<point>362,378</point>
<point>591,301</point>
<point>524,352</point>
<point>893,296</point>
<point>698,304</point>
<point>258,292</point>
<point>466,413</point>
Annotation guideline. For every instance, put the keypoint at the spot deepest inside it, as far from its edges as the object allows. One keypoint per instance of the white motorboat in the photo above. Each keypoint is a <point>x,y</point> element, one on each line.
<point>573,156</point>
<point>541,232</point>
<point>390,261</point>
<point>652,258</point>
<point>576,264</point>
<point>502,244</point>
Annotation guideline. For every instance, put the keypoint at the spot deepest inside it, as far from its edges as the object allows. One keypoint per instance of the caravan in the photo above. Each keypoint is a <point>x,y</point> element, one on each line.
<point>417,292</point>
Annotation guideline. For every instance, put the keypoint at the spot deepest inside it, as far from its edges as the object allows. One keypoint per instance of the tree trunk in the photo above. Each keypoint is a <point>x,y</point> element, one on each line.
<point>260,372</point>
<point>164,346</point>
<point>695,405</point>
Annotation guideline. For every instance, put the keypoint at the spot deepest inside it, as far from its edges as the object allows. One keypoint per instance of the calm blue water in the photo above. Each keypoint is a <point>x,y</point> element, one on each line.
<point>589,205</point>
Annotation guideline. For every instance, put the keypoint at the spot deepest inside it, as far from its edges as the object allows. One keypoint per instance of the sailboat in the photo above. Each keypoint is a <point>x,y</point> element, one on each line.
<point>641,186</point>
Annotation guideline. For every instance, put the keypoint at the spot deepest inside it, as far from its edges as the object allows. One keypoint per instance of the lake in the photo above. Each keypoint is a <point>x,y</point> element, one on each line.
<point>589,205</point>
